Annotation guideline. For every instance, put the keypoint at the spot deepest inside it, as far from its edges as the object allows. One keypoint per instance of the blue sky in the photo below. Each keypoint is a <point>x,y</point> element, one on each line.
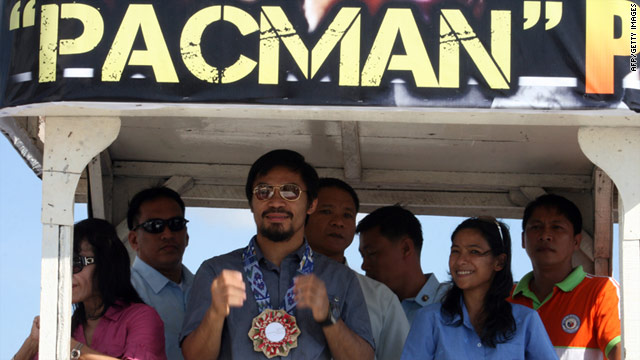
<point>212,232</point>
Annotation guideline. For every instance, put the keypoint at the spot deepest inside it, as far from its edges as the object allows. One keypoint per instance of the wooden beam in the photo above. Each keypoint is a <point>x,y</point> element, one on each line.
<point>70,144</point>
<point>372,178</point>
<point>603,227</point>
<point>351,151</point>
<point>96,188</point>
<point>179,184</point>
<point>450,203</point>
<point>531,193</point>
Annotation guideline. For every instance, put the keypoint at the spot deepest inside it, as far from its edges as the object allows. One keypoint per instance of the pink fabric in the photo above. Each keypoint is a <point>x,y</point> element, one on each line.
<point>134,332</point>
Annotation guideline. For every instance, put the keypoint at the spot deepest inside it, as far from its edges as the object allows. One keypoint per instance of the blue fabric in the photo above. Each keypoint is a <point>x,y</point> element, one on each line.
<point>431,337</point>
<point>432,292</point>
<point>342,286</point>
<point>168,298</point>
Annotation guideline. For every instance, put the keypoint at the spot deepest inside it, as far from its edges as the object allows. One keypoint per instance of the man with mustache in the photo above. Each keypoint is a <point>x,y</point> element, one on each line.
<point>579,310</point>
<point>330,231</point>
<point>390,245</point>
<point>276,296</point>
<point>158,234</point>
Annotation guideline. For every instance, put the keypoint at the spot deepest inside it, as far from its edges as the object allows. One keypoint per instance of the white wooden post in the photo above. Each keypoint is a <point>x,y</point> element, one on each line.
<point>69,144</point>
<point>616,151</point>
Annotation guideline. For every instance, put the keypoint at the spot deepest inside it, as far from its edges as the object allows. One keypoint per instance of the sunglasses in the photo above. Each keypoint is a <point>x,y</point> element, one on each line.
<point>79,262</point>
<point>289,192</point>
<point>491,219</point>
<point>156,226</point>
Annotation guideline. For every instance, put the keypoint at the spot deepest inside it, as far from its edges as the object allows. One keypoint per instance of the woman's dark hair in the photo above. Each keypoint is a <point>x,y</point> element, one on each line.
<point>499,325</point>
<point>112,276</point>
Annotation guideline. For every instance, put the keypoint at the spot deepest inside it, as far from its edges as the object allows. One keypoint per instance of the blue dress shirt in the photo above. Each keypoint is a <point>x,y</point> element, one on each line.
<point>431,337</point>
<point>432,292</point>
<point>168,298</point>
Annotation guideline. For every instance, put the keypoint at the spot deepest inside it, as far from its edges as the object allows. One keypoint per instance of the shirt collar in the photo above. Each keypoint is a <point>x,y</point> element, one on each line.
<point>427,294</point>
<point>299,253</point>
<point>568,284</point>
<point>115,311</point>
<point>156,280</point>
<point>466,320</point>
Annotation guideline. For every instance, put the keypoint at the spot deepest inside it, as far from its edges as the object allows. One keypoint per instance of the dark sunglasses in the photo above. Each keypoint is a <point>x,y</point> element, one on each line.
<point>79,262</point>
<point>156,226</point>
<point>289,192</point>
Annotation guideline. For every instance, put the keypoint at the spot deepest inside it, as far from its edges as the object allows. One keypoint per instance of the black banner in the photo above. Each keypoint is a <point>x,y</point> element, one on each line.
<point>432,53</point>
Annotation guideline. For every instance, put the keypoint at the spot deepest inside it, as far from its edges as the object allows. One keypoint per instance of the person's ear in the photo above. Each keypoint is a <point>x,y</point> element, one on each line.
<point>312,207</point>
<point>500,261</point>
<point>577,239</point>
<point>407,247</point>
<point>524,246</point>
<point>133,240</point>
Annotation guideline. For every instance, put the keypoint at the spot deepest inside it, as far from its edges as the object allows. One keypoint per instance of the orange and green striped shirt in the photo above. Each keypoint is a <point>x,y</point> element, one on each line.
<point>581,315</point>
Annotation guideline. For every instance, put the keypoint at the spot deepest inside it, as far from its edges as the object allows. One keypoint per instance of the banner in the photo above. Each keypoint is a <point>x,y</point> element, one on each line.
<point>577,54</point>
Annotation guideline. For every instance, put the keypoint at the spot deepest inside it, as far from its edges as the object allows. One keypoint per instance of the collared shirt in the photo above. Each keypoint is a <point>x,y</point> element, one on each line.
<point>342,288</point>
<point>168,298</point>
<point>432,292</point>
<point>581,315</point>
<point>132,332</point>
<point>389,324</point>
<point>388,321</point>
<point>434,337</point>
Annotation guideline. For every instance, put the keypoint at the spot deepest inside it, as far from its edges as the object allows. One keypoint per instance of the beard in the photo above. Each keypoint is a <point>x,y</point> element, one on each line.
<point>276,232</point>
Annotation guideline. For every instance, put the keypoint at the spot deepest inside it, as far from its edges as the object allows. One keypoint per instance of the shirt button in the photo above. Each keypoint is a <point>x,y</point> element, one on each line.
<point>479,344</point>
<point>425,298</point>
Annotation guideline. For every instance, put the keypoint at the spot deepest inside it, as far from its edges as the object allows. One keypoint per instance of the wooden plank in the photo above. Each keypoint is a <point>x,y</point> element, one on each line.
<point>230,174</point>
<point>179,184</point>
<point>96,187</point>
<point>603,218</point>
<point>352,161</point>
<point>70,144</point>
<point>448,203</point>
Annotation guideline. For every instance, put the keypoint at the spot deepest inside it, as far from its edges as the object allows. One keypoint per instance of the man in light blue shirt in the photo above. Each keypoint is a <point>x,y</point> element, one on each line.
<point>158,234</point>
<point>390,245</point>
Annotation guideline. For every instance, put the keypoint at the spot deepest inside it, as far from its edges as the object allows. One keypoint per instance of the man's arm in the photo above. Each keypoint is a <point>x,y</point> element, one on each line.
<point>227,290</point>
<point>615,353</point>
<point>311,293</point>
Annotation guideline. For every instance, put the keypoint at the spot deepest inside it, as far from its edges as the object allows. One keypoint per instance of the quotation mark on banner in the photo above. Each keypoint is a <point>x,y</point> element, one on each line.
<point>552,11</point>
<point>28,15</point>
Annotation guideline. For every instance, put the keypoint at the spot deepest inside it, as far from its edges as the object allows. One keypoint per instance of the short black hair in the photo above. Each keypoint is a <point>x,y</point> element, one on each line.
<point>561,204</point>
<point>288,159</point>
<point>337,183</point>
<point>395,222</point>
<point>150,194</point>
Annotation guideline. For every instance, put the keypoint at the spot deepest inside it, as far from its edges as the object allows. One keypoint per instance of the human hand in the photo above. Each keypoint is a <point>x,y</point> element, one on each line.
<point>311,293</point>
<point>35,329</point>
<point>227,290</point>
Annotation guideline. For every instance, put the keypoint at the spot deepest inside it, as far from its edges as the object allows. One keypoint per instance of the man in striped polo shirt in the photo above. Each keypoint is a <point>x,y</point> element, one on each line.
<point>580,311</point>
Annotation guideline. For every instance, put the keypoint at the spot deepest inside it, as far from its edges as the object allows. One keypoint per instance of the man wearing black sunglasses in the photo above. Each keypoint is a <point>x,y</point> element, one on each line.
<point>158,234</point>
<point>276,296</point>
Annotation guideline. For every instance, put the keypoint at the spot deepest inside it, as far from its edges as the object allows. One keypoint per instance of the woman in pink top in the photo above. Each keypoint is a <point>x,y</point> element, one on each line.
<point>109,317</point>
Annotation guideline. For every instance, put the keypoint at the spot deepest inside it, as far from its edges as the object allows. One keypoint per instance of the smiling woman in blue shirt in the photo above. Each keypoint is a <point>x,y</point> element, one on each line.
<point>474,320</point>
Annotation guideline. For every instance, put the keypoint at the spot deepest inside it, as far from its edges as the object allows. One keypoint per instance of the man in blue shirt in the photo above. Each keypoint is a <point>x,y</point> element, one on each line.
<point>390,245</point>
<point>276,297</point>
<point>158,234</point>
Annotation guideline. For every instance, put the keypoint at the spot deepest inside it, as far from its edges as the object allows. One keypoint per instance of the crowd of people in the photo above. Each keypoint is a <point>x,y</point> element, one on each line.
<point>288,291</point>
